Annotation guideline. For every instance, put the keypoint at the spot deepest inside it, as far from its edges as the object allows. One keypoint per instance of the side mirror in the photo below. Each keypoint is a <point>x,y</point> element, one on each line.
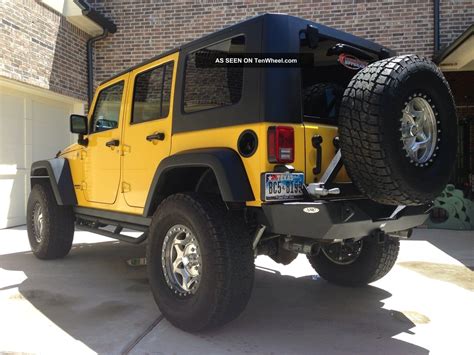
<point>78,124</point>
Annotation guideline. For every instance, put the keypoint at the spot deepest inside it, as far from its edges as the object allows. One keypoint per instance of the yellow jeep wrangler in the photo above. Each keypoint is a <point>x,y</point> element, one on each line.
<point>216,164</point>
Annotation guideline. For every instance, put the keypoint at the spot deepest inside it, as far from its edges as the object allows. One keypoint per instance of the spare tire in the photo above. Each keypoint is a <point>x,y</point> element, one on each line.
<point>398,130</point>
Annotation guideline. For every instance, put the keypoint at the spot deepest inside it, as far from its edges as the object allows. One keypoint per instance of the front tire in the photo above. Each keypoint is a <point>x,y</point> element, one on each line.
<point>200,262</point>
<point>356,263</point>
<point>50,226</point>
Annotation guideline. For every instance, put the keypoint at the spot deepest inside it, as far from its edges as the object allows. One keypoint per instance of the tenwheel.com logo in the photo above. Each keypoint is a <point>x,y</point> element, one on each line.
<point>216,59</point>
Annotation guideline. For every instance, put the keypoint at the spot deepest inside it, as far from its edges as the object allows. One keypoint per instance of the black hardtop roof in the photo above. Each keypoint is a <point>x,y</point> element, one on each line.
<point>269,21</point>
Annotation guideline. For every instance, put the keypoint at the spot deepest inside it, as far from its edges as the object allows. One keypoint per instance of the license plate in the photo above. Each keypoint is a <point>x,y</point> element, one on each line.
<point>283,186</point>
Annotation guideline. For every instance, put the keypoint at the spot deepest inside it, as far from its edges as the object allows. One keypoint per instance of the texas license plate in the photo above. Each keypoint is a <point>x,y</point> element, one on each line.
<point>283,186</point>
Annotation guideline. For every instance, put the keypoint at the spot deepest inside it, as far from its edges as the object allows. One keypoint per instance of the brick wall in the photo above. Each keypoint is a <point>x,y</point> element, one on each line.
<point>456,17</point>
<point>41,48</point>
<point>147,28</point>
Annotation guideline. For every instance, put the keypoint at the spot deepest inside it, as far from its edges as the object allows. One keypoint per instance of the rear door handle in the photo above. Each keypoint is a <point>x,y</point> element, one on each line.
<point>155,137</point>
<point>113,143</point>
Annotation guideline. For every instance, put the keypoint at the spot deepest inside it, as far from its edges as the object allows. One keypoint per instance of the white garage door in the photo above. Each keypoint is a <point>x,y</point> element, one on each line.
<point>34,125</point>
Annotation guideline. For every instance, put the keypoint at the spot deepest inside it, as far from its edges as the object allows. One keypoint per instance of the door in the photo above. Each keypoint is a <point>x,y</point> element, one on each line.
<point>147,131</point>
<point>102,155</point>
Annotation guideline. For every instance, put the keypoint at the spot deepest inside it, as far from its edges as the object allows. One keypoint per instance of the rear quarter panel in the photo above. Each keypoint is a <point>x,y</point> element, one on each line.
<point>227,137</point>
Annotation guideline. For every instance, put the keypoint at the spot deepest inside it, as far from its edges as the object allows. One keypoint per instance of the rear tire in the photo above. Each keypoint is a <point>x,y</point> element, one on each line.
<point>217,243</point>
<point>50,226</point>
<point>374,261</point>
<point>398,131</point>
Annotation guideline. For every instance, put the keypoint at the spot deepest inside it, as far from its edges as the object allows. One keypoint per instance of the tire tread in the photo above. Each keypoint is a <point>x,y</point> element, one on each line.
<point>59,222</point>
<point>360,122</point>
<point>234,262</point>
<point>377,264</point>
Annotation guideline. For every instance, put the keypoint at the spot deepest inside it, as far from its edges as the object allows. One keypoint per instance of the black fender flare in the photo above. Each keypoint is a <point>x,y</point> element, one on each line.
<point>226,164</point>
<point>58,173</point>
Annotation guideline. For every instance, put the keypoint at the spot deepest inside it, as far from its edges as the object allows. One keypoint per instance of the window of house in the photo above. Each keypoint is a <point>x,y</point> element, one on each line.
<point>152,93</point>
<point>212,87</point>
<point>107,108</point>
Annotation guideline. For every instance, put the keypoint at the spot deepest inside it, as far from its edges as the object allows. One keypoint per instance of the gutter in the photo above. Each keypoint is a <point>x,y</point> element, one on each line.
<point>437,42</point>
<point>90,64</point>
<point>107,26</point>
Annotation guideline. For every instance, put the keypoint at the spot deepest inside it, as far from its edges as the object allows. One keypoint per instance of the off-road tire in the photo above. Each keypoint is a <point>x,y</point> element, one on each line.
<point>374,262</point>
<point>370,131</point>
<point>58,224</point>
<point>227,262</point>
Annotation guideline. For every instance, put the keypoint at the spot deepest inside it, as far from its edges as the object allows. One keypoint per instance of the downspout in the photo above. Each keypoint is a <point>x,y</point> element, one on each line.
<point>437,44</point>
<point>107,27</point>
<point>90,65</point>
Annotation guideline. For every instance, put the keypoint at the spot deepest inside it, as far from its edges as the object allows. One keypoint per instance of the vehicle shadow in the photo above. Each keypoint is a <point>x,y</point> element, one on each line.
<point>308,315</point>
<point>97,298</point>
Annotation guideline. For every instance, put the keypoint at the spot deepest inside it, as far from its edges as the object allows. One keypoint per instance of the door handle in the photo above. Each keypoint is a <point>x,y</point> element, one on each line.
<point>155,137</point>
<point>113,143</point>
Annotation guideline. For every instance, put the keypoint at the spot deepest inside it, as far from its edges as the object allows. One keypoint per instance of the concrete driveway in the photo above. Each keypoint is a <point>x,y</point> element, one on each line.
<point>94,302</point>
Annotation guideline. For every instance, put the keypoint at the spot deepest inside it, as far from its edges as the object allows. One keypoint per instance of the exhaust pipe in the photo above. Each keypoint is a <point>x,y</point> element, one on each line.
<point>301,246</point>
<point>402,234</point>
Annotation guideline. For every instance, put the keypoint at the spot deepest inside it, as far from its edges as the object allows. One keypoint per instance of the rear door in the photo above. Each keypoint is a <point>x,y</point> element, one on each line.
<point>147,127</point>
<point>102,155</point>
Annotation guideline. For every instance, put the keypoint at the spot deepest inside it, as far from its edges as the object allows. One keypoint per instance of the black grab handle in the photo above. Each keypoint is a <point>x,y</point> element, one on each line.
<point>155,137</point>
<point>316,141</point>
<point>112,143</point>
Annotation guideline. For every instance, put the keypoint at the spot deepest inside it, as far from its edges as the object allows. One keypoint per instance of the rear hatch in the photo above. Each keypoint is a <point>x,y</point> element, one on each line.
<point>323,86</point>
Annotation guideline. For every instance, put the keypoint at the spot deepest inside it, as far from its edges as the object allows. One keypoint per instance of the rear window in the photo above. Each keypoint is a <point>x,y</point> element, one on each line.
<point>208,88</point>
<point>324,83</point>
<point>151,95</point>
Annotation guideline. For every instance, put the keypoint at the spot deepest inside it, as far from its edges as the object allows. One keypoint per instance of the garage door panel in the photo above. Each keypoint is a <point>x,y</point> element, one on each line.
<point>49,119</point>
<point>32,127</point>
<point>13,189</point>
<point>12,130</point>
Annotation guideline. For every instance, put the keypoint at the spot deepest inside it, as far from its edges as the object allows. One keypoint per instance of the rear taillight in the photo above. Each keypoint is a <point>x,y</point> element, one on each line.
<point>281,144</point>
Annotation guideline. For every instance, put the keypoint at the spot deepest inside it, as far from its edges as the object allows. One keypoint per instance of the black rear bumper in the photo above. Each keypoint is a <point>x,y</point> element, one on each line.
<point>339,219</point>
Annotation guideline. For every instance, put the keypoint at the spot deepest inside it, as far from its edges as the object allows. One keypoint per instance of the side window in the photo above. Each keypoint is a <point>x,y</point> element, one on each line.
<point>152,92</point>
<point>107,109</point>
<point>206,88</point>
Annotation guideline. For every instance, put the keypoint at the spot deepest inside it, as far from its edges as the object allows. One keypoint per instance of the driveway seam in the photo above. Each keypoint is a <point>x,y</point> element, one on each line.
<point>129,347</point>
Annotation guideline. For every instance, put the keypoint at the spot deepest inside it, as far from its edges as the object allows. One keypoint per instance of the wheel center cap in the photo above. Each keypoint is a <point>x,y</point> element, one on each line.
<point>419,130</point>
<point>181,261</point>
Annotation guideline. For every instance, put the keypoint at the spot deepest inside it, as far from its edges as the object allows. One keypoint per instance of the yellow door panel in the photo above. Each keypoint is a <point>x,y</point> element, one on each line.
<point>147,126</point>
<point>102,168</point>
<point>101,159</point>
<point>328,133</point>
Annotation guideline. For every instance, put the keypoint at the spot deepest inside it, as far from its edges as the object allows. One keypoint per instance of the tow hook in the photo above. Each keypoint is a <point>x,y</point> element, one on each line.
<point>382,237</point>
<point>379,236</point>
